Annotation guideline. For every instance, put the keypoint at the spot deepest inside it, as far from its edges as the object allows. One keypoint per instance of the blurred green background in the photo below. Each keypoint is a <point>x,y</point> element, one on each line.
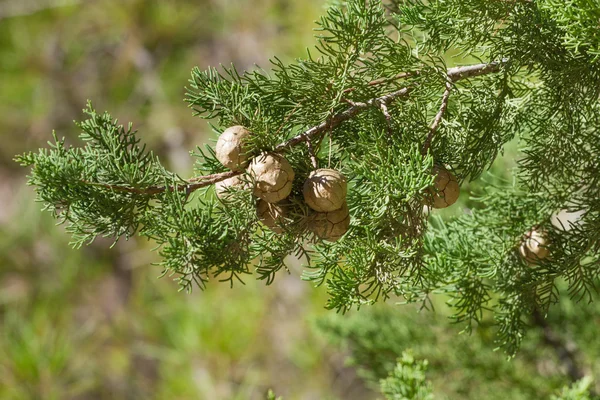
<point>96,323</point>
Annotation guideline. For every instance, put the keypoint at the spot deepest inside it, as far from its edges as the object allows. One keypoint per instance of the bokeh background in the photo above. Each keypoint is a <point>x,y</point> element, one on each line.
<point>96,323</point>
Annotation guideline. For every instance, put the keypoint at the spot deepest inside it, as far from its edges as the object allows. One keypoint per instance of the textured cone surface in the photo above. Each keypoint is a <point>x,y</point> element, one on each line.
<point>230,149</point>
<point>445,189</point>
<point>332,225</point>
<point>273,176</point>
<point>272,215</point>
<point>534,246</point>
<point>325,190</point>
<point>224,188</point>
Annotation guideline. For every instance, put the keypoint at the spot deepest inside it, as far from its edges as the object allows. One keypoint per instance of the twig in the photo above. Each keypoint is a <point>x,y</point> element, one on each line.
<point>469,71</point>
<point>337,119</point>
<point>387,80</point>
<point>454,74</point>
<point>385,111</point>
<point>388,118</point>
<point>311,153</point>
<point>208,180</point>
<point>191,185</point>
<point>438,117</point>
<point>287,118</point>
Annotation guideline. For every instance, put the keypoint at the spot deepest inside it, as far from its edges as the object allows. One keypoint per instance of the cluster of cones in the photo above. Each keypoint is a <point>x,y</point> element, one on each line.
<point>270,177</point>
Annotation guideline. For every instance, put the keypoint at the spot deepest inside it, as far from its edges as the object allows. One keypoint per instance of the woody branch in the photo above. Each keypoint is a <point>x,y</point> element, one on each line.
<point>454,74</point>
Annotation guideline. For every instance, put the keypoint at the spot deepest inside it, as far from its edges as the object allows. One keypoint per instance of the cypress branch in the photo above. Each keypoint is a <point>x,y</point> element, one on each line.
<point>340,107</point>
<point>455,74</point>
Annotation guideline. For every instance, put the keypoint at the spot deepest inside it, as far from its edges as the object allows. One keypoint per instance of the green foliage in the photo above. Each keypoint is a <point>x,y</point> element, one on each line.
<point>478,253</point>
<point>271,396</point>
<point>465,365</point>
<point>540,83</point>
<point>72,182</point>
<point>578,20</point>
<point>407,380</point>
<point>57,305</point>
<point>38,357</point>
<point>580,390</point>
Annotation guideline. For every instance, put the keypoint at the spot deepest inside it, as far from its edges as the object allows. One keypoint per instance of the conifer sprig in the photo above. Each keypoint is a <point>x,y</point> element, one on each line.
<point>339,108</point>
<point>454,75</point>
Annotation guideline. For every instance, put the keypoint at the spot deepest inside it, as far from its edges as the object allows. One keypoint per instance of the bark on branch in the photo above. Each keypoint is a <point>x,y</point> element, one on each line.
<point>438,118</point>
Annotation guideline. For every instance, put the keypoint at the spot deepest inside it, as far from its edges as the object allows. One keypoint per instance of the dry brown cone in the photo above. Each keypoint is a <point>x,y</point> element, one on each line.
<point>273,176</point>
<point>445,190</point>
<point>325,190</point>
<point>230,149</point>
<point>330,226</point>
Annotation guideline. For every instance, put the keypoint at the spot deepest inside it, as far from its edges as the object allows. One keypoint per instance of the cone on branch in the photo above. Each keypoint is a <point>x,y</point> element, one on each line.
<point>273,176</point>
<point>534,246</point>
<point>332,225</point>
<point>231,150</point>
<point>325,190</point>
<point>272,215</point>
<point>445,190</point>
<point>224,189</point>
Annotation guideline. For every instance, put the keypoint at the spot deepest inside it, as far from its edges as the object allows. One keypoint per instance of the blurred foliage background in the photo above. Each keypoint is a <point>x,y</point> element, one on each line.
<point>96,323</point>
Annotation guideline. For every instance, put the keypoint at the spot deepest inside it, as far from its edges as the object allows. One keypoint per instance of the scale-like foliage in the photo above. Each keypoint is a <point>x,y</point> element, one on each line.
<point>376,100</point>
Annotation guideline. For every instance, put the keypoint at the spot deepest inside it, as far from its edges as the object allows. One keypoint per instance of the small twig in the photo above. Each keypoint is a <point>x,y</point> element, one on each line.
<point>191,185</point>
<point>458,73</point>
<point>330,147</point>
<point>453,75</point>
<point>388,118</point>
<point>337,119</point>
<point>287,118</point>
<point>438,118</point>
<point>311,153</point>
<point>214,178</point>
<point>387,80</point>
<point>385,111</point>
